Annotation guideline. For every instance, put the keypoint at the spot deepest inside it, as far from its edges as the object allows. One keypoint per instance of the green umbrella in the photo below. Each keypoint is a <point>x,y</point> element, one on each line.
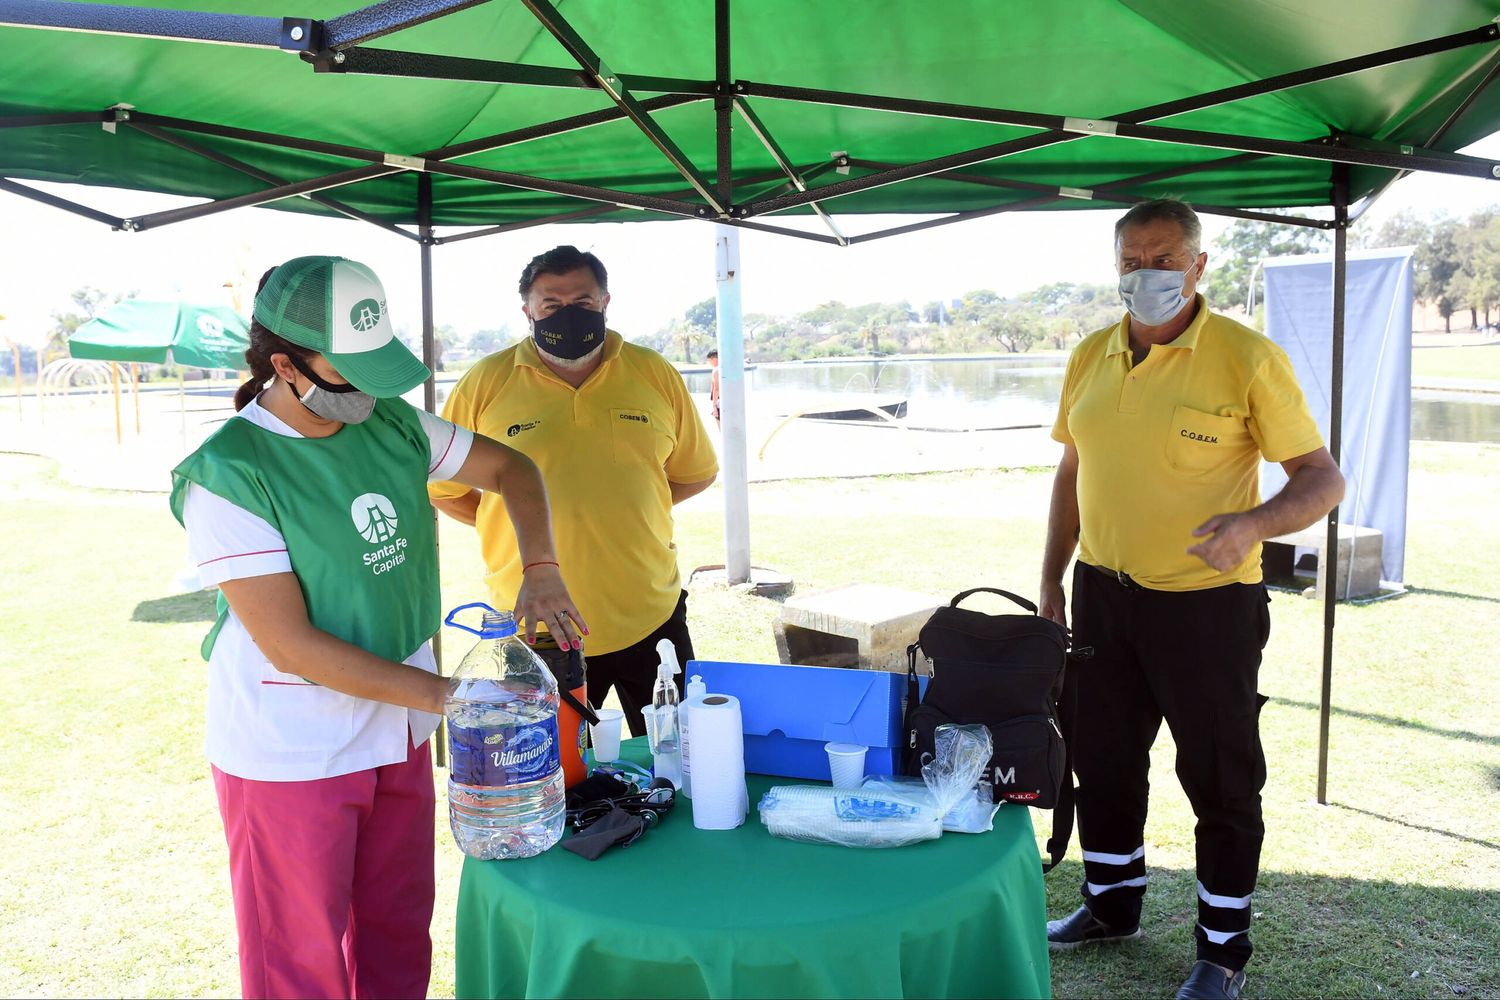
<point>164,333</point>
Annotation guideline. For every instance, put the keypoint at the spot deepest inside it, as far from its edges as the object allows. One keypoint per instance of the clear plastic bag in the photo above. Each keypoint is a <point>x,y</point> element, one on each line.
<point>963,752</point>
<point>884,812</point>
<point>973,813</point>
<point>850,817</point>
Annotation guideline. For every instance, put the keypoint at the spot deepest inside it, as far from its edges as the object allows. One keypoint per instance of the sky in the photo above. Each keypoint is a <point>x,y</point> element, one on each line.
<point>656,269</point>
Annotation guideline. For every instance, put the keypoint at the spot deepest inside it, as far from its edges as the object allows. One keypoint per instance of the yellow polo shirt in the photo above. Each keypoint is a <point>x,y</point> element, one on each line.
<point>607,451</point>
<point>1171,442</point>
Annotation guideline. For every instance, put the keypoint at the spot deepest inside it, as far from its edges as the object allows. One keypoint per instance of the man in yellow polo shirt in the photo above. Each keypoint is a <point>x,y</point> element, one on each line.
<point>618,441</point>
<point>1164,420</point>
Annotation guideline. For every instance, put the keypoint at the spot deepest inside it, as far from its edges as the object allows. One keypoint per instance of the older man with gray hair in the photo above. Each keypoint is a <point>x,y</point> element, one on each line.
<point>1164,420</point>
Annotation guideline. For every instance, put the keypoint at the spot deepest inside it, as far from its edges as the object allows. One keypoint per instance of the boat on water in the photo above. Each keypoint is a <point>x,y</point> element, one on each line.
<point>858,407</point>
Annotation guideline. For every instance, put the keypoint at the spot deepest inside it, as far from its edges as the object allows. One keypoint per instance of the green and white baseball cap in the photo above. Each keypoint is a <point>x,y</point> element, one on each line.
<point>336,307</point>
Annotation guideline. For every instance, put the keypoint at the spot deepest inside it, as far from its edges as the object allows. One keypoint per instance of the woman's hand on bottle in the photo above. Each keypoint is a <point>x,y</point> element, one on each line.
<point>543,599</point>
<point>438,693</point>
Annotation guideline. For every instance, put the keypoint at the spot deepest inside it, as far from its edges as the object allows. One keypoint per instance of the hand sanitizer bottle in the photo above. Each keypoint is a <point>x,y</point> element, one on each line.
<point>666,745</point>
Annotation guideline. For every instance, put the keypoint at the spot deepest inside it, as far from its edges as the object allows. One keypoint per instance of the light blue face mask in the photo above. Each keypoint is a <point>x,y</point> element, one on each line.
<point>1154,296</point>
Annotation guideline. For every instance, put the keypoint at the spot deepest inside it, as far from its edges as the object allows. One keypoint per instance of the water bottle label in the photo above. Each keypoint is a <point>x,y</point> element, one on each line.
<point>503,756</point>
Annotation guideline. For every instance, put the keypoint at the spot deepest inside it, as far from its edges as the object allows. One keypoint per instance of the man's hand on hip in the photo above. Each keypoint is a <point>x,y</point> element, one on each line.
<point>1053,604</point>
<point>1230,538</point>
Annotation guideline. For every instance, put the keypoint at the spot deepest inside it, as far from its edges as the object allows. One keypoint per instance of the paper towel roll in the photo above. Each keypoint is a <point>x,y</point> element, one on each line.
<point>720,798</point>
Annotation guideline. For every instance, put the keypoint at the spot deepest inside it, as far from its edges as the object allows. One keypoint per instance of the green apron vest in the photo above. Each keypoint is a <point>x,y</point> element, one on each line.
<point>353,509</point>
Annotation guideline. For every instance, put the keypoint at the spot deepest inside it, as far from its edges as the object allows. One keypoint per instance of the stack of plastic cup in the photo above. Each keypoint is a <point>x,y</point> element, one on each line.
<point>846,764</point>
<point>667,765</point>
<point>605,737</point>
<point>649,715</point>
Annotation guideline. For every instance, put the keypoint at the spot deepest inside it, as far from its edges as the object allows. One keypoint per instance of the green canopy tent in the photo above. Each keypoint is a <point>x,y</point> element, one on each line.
<point>162,333</point>
<point>498,115</point>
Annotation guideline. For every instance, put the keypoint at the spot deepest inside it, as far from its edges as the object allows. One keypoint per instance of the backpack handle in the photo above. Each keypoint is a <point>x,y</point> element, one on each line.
<point>1023,602</point>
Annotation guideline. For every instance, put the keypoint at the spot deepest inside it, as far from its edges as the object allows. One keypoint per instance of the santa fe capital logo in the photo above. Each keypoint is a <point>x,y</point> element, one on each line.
<point>365,315</point>
<point>374,517</point>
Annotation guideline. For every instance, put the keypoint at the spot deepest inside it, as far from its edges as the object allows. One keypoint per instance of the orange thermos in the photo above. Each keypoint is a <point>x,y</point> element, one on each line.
<point>570,671</point>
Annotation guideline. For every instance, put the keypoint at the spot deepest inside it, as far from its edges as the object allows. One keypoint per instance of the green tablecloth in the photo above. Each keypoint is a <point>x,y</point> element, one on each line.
<point>687,912</point>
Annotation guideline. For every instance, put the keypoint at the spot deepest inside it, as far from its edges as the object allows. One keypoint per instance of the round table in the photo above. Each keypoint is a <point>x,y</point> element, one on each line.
<point>738,913</point>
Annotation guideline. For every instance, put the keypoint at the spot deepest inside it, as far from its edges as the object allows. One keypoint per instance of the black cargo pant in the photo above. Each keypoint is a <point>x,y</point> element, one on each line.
<point>632,671</point>
<point>1191,658</point>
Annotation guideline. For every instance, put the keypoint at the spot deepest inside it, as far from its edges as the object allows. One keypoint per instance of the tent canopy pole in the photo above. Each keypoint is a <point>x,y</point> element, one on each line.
<point>732,406</point>
<point>1328,563</point>
<point>429,396</point>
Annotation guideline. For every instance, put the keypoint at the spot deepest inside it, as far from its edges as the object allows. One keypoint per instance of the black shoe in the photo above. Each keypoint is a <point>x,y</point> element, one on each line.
<point>1208,982</point>
<point>1080,928</point>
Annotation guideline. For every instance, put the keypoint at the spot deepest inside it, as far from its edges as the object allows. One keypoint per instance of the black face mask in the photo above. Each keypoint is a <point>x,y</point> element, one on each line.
<point>569,333</point>
<point>315,379</point>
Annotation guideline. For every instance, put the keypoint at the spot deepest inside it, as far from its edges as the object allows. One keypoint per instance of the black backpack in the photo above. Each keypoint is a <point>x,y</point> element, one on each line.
<point>1007,672</point>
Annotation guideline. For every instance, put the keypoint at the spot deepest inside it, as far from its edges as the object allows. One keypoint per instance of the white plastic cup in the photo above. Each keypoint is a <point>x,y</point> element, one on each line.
<point>649,714</point>
<point>605,737</point>
<point>846,764</point>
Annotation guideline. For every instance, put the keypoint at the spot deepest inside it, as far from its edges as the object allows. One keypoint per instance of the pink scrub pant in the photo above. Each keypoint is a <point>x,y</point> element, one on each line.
<point>333,881</point>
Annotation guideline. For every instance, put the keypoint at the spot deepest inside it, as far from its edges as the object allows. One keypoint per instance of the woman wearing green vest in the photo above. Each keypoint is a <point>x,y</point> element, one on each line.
<point>309,510</point>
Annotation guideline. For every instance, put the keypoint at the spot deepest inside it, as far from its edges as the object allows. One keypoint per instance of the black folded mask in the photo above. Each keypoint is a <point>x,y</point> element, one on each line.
<point>614,827</point>
<point>605,811</point>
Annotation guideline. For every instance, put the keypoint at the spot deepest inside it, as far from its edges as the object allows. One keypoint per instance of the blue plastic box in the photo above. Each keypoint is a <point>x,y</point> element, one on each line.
<point>789,712</point>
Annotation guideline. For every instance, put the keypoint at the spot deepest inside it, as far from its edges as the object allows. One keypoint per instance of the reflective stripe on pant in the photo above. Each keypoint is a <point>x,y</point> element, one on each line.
<point>333,880</point>
<point>1191,658</point>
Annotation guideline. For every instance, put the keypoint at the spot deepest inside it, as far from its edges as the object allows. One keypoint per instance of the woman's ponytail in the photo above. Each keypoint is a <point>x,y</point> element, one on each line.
<point>261,371</point>
<point>263,344</point>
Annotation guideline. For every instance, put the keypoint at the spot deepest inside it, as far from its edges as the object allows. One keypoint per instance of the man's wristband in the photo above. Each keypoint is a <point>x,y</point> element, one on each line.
<point>540,562</point>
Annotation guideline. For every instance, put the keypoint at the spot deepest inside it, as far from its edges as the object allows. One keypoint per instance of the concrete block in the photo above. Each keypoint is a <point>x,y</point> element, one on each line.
<point>1360,560</point>
<point>863,625</point>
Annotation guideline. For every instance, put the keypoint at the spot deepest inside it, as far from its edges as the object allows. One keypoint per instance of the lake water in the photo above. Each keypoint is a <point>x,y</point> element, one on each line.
<point>959,395</point>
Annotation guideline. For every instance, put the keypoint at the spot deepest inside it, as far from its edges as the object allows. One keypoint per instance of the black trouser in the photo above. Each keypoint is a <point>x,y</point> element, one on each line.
<point>632,671</point>
<point>1191,658</point>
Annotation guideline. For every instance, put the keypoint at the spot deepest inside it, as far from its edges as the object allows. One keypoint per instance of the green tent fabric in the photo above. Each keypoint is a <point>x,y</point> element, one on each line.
<point>164,333</point>
<point>1087,58</point>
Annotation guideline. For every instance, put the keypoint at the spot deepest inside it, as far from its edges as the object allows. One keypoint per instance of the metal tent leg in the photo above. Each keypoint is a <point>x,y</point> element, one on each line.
<point>429,403</point>
<point>1328,564</point>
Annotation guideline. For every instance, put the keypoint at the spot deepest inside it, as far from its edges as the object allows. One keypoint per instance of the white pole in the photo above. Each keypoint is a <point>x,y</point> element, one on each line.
<point>732,407</point>
<point>182,407</point>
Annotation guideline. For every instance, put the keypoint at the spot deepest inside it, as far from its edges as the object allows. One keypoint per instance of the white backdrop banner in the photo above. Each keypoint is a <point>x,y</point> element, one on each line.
<point>1376,442</point>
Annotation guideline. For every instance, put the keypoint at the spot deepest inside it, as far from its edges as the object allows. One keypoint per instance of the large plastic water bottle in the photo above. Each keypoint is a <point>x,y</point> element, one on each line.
<point>505,780</point>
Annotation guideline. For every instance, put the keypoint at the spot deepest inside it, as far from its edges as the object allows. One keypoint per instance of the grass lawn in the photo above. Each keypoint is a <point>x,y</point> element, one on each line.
<point>1479,362</point>
<point>115,869</point>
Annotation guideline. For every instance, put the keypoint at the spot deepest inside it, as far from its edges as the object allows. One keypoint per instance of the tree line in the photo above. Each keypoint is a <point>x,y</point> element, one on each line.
<point>1456,265</point>
<point>1457,262</point>
<point>1456,270</point>
<point>1054,316</point>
